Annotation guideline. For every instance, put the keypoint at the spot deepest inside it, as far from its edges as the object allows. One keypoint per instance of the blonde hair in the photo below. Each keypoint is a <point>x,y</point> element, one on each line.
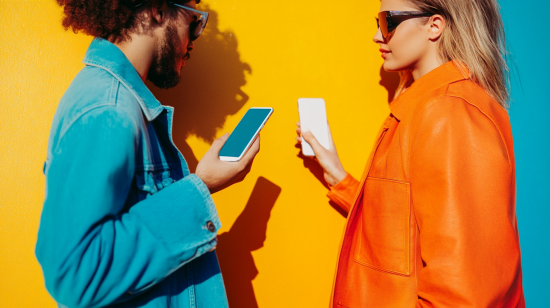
<point>474,39</point>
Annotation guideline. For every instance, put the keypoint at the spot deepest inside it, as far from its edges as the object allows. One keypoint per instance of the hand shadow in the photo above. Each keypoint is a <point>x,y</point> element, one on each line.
<point>247,234</point>
<point>390,81</point>
<point>313,166</point>
<point>209,89</point>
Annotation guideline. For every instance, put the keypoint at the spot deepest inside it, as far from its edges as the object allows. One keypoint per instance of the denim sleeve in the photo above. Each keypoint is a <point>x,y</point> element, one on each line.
<point>92,252</point>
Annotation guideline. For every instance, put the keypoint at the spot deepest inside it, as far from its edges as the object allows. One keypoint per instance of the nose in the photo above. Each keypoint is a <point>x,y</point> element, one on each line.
<point>378,38</point>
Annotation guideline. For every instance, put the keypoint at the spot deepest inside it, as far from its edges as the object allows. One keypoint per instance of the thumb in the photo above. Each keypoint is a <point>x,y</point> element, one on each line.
<point>310,138</point>
<point>218,143</point>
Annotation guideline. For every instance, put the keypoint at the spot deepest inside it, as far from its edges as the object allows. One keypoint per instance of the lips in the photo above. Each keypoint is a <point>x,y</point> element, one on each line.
<point>384,52</point>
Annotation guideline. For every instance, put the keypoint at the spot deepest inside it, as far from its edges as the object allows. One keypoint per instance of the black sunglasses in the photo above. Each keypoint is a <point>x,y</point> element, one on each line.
<point>394,18</point>
<point>196,27</point>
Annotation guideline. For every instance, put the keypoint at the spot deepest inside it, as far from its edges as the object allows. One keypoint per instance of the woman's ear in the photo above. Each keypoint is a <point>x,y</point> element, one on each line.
<point>437,25</point>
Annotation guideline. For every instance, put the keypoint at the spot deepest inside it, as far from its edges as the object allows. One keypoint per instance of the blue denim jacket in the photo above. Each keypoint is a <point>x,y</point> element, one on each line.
<point>124,223</point>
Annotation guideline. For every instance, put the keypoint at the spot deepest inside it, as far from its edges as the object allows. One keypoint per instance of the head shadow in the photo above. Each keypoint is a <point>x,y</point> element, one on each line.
<point>209,89</point>
<point>390,81</point>
<point>247,234</point>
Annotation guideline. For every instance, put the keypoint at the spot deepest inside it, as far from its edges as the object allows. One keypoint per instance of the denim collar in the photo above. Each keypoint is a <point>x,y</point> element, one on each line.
<point>107,56</point>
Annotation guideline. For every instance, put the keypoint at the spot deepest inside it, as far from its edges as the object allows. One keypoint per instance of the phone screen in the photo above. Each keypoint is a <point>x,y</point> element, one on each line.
<point>242,136</point>
<point>313,116</point>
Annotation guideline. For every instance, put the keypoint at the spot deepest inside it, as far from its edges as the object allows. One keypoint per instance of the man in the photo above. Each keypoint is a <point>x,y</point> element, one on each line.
<point>124,223</point>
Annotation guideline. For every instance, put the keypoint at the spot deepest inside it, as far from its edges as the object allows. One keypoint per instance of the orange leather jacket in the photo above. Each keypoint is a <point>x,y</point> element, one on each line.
<point>432,223</point>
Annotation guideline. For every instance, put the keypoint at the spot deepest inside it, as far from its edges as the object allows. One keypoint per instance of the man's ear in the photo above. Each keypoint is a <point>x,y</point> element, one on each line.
<point>158,8</point>
<point>437,25</point>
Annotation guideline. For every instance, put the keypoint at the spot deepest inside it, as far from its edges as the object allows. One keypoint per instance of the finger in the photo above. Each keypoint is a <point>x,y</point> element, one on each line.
<point>252,151</point>
<point>298,124</point>
<point>331,141</point>
<point>247,169</point>
<point>315,145</point>
<point>299,131</point>
<point>299,139</point>
<point>218,144</point>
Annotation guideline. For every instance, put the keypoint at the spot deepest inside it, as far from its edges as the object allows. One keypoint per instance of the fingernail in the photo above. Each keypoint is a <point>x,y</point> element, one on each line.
<point>305,129</point>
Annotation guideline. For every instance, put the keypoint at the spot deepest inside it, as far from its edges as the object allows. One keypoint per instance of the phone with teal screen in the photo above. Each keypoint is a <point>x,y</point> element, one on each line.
<point>245,133</point>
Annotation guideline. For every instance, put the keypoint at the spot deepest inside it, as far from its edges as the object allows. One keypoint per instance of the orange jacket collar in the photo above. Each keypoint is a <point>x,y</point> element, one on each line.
<point>444,74</point>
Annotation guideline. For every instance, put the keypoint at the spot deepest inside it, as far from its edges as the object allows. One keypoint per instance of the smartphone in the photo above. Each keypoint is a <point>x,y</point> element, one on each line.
<point>313,116</point>
<point>245,133</point>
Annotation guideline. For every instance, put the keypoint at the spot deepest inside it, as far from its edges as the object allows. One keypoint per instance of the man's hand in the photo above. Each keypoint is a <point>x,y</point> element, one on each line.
<point>328,159</point>
<point>218,174</point>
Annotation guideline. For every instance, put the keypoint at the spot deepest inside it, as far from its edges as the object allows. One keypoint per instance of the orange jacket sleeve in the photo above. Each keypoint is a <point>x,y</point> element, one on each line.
<point>463,192</point>
<point>344,192</point>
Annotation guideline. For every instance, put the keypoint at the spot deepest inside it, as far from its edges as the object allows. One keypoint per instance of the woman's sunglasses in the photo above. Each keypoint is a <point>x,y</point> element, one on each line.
<point>387,21</point>
<point>197,26</point>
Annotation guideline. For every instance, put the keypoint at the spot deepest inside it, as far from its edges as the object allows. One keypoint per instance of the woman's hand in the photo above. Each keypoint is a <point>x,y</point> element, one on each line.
<point>218,174</point>
<point>328,159</point>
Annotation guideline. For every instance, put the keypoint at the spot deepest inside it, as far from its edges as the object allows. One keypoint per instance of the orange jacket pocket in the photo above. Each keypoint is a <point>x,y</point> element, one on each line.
<point>383,242</point>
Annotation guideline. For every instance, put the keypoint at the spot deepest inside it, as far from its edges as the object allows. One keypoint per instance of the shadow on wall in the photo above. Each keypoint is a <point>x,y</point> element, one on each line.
<point>313,166</point>
<point>209,89</point>
<point>247,234</point>
<point>208,92</point>
<point>390,81</point>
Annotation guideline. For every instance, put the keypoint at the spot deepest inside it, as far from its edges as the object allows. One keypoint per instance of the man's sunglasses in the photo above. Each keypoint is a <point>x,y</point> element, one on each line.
<point>387,21</point>
<point>196,27</point>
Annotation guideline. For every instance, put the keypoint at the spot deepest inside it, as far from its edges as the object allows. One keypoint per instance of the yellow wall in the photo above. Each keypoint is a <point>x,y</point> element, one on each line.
<point>254,53</point>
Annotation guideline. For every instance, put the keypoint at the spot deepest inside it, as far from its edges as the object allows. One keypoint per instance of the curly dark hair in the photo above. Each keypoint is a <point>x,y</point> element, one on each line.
<point>108,19</point>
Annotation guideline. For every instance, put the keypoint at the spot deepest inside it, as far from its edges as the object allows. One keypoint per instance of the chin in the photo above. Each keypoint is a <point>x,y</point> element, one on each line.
<point>393,65</point>
<point>390,66</point>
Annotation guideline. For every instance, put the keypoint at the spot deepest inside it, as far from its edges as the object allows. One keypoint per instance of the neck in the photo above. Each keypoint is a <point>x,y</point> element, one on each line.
<point>140,50</point>
<point>427,64</point>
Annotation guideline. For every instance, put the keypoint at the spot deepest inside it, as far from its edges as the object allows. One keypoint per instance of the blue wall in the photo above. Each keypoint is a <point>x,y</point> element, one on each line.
<point>527,30</point>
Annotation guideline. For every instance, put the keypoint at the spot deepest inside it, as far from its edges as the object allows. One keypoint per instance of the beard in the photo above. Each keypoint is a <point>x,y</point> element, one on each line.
<point>162,72</point>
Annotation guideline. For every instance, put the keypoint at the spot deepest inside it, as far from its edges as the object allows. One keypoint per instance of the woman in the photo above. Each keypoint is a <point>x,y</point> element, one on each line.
<point>432,222</point>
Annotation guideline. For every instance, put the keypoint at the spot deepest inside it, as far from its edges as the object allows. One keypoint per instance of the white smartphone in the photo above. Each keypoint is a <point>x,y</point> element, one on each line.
<point>313,116</point>
<point>245,133</point>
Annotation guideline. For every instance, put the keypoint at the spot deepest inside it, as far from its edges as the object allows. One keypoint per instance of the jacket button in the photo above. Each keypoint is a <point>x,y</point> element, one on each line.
<point>210,226</point>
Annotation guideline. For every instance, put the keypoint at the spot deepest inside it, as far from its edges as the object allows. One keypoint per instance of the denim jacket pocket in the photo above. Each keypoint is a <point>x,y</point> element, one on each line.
<point>384,227</point>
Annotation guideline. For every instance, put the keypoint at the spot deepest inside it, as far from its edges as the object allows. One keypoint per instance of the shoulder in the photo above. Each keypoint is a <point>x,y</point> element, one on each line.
<point>465,112</point>
<point>464,101</point>
<point>106,122</point>
<point>475,96</point>
<point>94,88</point>
<point>95,97</point>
